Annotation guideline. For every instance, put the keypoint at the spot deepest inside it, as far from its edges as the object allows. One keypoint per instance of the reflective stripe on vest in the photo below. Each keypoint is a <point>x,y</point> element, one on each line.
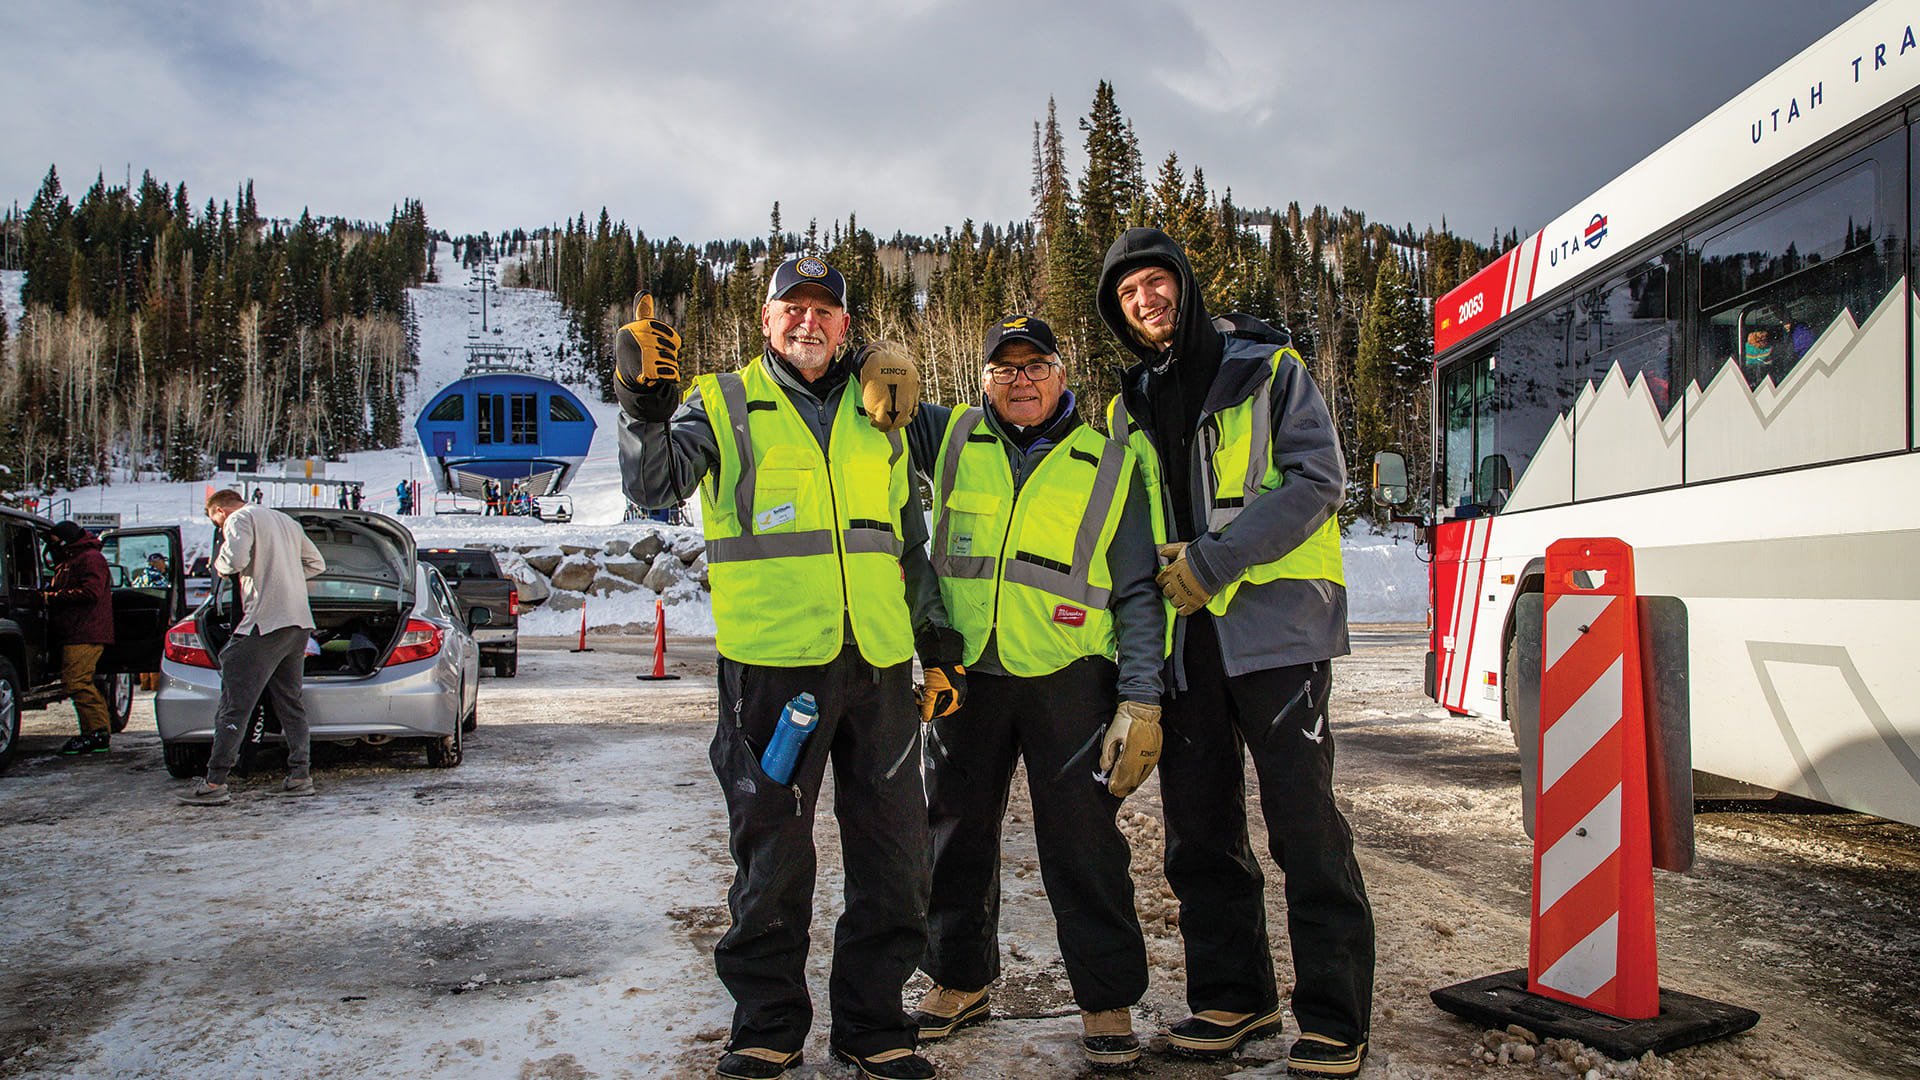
<point>839,547</point>
<point>1026,532</point>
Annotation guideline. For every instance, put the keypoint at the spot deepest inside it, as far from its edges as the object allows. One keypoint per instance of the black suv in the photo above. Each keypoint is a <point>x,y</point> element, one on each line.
<point>142,610</point>
<point>476,579</point>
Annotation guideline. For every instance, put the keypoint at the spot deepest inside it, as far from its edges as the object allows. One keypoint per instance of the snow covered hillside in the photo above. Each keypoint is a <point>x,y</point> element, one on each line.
<point>1385,582</point>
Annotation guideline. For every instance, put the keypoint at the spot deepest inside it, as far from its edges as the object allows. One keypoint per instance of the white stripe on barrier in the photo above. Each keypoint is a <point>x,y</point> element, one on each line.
<point>1589,965</point>
<point>1585,723</point>
<point>1580,852</point>
<point>1564,621</point>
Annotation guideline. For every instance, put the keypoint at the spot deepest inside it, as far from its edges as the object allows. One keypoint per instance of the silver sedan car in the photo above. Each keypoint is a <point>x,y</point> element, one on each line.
<point>390,659</point>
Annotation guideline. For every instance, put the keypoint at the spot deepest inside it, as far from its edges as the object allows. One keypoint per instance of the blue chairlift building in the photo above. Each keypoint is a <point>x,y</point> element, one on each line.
<point>501,422</point>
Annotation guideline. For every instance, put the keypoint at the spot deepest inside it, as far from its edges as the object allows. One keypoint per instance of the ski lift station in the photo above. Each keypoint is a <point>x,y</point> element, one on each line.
<point>500,421</point>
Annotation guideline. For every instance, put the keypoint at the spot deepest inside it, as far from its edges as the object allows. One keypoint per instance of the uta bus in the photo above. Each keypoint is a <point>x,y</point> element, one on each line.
<point>1711,358</point>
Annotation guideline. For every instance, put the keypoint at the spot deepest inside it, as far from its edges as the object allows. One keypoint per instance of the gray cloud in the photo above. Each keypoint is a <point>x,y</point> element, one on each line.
<point>692,119</point>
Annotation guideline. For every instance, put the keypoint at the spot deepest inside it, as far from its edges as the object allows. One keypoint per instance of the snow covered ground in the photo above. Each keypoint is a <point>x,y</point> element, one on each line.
<point>1385,581</point>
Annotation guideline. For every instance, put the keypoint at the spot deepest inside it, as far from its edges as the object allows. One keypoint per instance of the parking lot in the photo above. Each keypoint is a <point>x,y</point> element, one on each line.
<point>547,910</point>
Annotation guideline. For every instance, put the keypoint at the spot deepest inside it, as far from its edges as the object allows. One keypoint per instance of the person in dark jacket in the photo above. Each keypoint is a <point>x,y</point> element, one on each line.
<point>1246,473</point>
<point>80,610</point>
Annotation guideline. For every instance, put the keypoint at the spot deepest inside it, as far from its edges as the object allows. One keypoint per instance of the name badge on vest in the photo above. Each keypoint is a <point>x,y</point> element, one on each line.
<point>768,520</point>
<point>1068,615</point>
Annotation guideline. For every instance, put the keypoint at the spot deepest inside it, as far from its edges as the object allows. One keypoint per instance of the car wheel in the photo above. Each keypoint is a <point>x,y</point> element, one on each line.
<point>118,690</point>
<point>9,712</point>
<point>473,716</point>
<point>505,667</point>
<point>444,753</point>
<point>186,761</point>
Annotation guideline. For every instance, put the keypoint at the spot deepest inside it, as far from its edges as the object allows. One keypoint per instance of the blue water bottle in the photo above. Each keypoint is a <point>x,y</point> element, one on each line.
<point>783,750</point>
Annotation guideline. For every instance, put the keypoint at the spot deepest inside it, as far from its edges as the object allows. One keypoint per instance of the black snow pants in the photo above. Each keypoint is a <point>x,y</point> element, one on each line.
<point>869,730</point>
<point>1054,722</point>
<point>1279,717</point>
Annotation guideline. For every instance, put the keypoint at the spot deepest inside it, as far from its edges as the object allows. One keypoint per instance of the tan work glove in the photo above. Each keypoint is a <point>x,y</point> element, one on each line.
<point>1178,582</point>
<point>646,364</point>
<point>889,385</point>
<point>943,693</point>
<point>1131,747</point>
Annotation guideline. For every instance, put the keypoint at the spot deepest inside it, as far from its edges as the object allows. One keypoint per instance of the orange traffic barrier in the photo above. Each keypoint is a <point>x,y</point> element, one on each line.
<point>582,647</point>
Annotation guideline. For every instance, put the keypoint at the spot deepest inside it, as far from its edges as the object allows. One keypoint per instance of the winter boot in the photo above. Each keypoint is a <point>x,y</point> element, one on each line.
<point>1213,1033</point>
<point>944,1011</point>
<point>1107,1039</point>
<point>91,742</point>
<point>898,1064</point>
<point>1322,1055</point>
<point>756,1063</point>
<point>297,785</point>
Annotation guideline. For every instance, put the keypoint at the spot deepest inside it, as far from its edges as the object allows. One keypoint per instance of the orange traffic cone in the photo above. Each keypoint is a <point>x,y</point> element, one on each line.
<point>583,630</point>
<point>659,645</point>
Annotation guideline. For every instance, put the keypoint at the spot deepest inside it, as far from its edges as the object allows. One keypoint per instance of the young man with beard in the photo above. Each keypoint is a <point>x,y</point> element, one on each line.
<point>816,554</point>
<point>1043,545</point>
<point>1246,477</point>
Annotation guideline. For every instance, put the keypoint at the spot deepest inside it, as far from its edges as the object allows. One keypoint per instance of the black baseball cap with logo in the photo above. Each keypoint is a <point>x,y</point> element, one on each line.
<point>807,270</point>
<point>1028,328</point>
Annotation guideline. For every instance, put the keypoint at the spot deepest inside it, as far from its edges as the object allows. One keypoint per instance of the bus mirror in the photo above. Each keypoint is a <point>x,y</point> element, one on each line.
<point>1389,479</point>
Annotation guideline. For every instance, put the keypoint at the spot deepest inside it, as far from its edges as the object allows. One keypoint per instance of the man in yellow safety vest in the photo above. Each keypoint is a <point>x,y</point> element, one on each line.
<point>1042,541</point>
<point>816,556</point>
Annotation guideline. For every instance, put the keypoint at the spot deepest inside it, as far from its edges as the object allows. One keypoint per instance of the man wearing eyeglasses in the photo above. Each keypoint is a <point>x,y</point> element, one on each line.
<point>816,554</point>
<point>1045,555</point>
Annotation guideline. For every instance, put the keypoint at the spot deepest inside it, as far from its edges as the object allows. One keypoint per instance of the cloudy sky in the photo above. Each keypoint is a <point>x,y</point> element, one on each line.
<point>690,119</point>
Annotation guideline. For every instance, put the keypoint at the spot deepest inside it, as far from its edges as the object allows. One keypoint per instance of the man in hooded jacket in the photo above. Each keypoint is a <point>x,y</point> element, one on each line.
<point>1246,476</point>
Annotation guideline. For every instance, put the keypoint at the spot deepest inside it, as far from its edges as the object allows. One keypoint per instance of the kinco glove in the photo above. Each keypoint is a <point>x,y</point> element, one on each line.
<point>889,386</point>
<point>646,364</point>
<point>1178,581</point>
<point>1131,747</point>
<point>943,693</point>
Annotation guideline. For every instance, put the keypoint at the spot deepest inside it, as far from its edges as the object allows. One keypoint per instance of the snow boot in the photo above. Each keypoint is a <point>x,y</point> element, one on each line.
<point>897,1064</point>
<point>756,1063</point>
<point>1213,1033</point>
<point>1322,1055</point>
<point>1107,1039</point>
<point>944,1011</point>
<point>297,786</point>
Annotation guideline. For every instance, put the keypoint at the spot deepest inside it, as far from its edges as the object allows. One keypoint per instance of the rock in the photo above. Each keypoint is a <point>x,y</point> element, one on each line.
<point>666,570</point>
<point>688,547</point>
<point>528,549</point>
<point>628,569</point>
<point>575,549</point>
<point>616,547</point>
<point>647,547</point>
<point>608,585</point>
<point>532,586</point>
<point>566,601</point>
<point>544,564</point>
<point>699,571</point>
<point>574,575</point>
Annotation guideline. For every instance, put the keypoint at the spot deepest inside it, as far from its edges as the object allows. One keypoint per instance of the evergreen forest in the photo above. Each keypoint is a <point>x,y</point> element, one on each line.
<point>157,335</point>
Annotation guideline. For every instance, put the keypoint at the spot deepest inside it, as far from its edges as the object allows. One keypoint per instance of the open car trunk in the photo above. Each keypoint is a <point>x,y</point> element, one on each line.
<point>351,641</point>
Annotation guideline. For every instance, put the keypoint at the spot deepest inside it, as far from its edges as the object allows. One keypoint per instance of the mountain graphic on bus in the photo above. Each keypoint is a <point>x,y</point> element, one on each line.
<point>1845,397</point>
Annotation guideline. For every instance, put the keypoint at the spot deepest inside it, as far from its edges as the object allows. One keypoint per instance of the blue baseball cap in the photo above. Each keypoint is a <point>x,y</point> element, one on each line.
<point>807,270</point>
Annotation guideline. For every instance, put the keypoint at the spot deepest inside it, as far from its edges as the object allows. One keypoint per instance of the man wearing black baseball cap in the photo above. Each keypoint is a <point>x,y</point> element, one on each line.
<point>816,550</point>
<point>1042,541</point>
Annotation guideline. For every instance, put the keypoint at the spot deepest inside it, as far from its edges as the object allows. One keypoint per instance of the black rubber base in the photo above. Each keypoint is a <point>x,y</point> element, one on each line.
<point>1498,1000</point>
<point>655,678</point>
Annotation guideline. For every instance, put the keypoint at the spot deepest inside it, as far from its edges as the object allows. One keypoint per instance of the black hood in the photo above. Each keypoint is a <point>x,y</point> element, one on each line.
<point>1193,335</point>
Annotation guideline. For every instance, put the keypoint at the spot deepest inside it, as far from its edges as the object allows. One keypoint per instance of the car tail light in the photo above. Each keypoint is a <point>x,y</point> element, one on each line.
<point>513,602</point>
<point>418,641</point>
<point>185,646</point>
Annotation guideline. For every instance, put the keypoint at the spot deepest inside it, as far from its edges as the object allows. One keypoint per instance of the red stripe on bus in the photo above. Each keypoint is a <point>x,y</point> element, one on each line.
<point>1486,545</point>
<point>1535,274</point>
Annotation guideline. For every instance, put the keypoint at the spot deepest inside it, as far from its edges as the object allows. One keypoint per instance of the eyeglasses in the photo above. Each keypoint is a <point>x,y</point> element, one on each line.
<point>1038,371</point>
